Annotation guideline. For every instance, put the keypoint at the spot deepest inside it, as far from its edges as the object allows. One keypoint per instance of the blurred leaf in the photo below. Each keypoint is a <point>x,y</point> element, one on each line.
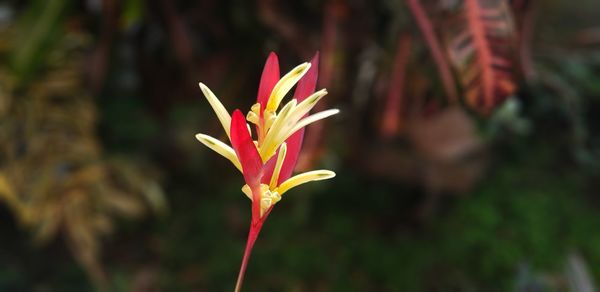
<point>53,173</point>
<point>480,48</point>
<point>133,11</point>
<point>39,28</point>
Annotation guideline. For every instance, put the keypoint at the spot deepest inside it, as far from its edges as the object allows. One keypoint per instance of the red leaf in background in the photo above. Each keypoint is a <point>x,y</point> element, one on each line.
<point>481,51</point>
<point>435,48</point>
<point>268,79</point>
<point>525,15</point>
<point>246,150</point>
<point>393,113</point>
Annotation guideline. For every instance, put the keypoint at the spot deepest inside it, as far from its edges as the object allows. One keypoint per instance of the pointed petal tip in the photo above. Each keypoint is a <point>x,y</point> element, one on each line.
<point>284,85</point>
<point>205,90</point>
<point>315,60</point>
<point>200,137</point>
<point>237,112</point>
<point>325,174</point>
<point>204,139</point>
<point>306,85</point>
<point>327,113</point>
<point>268,79</point>
<point>302,68</point>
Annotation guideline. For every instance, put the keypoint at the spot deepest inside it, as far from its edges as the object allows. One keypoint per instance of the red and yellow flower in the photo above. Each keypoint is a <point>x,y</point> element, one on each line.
<point>267,162</point>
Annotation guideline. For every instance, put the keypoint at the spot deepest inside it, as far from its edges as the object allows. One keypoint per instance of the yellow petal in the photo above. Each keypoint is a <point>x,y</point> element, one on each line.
<point>311,119</point>
<point>284,85</point>
<point>284,133</point>
<point>267,149</point>
<point>306,105</point>
<point>218,107</point>
<point>220,148</point>
<point>278,164</point>
<point>303,178</point>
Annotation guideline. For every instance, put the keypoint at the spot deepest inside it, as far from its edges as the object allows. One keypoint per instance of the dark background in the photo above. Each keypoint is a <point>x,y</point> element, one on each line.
<point>104,185</point>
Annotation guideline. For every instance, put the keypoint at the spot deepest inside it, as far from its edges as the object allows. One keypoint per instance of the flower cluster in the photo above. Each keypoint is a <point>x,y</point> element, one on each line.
<point>268,160</point>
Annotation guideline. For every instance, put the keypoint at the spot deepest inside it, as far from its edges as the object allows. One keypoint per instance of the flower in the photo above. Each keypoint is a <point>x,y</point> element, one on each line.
<point>267,163</point>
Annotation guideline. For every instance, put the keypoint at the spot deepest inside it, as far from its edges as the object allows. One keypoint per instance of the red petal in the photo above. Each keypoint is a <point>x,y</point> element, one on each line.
<point>306,86</point>
<point>246,150</point>
<point>269,168</point>
<point>268,79</point>
<point>294,143</point>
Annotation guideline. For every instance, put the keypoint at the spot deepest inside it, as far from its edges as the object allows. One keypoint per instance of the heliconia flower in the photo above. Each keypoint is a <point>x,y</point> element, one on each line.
<point>267,162</point>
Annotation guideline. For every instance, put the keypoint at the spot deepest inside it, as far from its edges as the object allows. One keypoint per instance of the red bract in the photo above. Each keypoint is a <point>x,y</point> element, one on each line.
<point>252,166</point>
<point>268,79</point>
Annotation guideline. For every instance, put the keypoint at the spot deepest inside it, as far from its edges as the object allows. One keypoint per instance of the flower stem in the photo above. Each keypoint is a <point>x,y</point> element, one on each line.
<point>252,235</point>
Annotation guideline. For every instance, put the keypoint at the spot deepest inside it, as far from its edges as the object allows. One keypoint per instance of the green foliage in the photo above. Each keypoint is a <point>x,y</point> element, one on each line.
<point>38,30</point>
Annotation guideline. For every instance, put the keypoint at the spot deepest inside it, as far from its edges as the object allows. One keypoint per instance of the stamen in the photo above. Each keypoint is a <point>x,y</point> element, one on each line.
<point>252,117</point>
<point>255,108</point>
<point>269,119</point>
<point>265,204</point>
<point>268,198</point>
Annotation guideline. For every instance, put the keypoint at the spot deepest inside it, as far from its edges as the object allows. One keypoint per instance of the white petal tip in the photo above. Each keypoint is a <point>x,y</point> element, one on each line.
<point>200,137</point>
<point>204,89</point>
<point>205,139</point>
<point>325,174</point>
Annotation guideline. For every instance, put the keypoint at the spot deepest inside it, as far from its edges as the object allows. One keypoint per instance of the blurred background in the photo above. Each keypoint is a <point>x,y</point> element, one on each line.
<point>466,151</point>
